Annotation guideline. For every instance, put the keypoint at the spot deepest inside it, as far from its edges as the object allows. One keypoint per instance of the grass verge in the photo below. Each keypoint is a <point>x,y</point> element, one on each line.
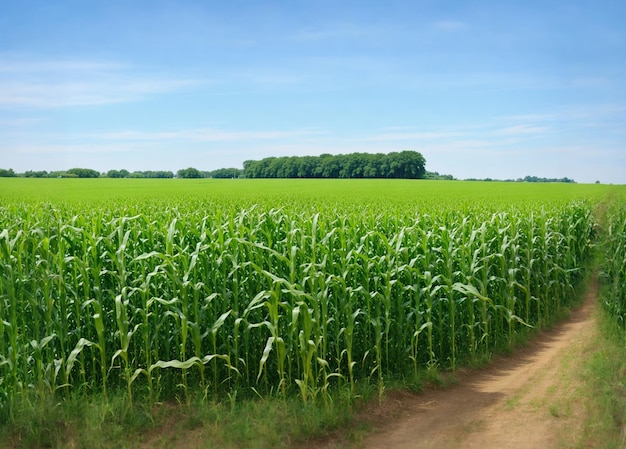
<point>605,379</point>
<point>98,424</point>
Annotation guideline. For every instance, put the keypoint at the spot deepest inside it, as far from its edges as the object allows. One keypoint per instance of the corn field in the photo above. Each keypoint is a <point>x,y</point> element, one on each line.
<point>614,268</point>
<point>163,300</point>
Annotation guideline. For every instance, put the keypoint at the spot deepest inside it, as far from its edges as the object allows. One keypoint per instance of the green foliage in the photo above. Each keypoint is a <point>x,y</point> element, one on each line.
<point>605,384</point>
<point>189,173</point>
<point>4,173</point>
<point>614,267</point>
<point>436,175</point>
<point>117,174</point>
<point>95,423</point>
<point>404,165</point>
<point>223,173</point>
<point>36,174</point>
<point>139,174</point>
<point>536,179</point>
<point>277,290</point>
<point>83,173</point>
<point>532,179</point>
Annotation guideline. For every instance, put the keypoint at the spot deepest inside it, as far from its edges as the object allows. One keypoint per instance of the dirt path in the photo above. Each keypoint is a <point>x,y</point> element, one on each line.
<point>527,400</point>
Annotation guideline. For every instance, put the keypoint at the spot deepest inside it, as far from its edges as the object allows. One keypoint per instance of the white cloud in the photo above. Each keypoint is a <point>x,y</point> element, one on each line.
<point>65,83</point>
<point>18,122</point>
<point>517,130</point>
<point>67,66</point>
<point>68,149</point>
<point>91,92</point>
<point>578,116</point>
<point>420,136</point>
<point>205,135</point>
<point>529,117</point>
<point>464,135</point>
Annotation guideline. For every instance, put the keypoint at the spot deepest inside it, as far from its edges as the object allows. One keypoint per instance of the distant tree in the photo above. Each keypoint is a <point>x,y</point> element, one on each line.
<point>83,173</point>
<point>329,166</point>
<point>250,168</point>
<point>290,167</point>
<point>536,179</point>
<point>157,174</point>
<point>114,174</point>
<point>4,173</point>
<point>36,174</point>
<point>437,176</point>
<point>136,174</point>
<point>526,179</point>
<point>304,166</point>
<point>189,173</point>
<point>225,173</point>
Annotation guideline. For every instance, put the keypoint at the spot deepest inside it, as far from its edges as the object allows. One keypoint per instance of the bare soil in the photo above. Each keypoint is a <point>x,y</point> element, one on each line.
<point>526,400</point>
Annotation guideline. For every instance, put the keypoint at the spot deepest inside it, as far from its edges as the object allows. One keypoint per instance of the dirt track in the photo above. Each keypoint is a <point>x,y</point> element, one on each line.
<point>521,401</point>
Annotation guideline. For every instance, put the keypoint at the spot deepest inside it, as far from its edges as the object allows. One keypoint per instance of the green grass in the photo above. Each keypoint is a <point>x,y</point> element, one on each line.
<point>95,423</point>
<point>604,375</point>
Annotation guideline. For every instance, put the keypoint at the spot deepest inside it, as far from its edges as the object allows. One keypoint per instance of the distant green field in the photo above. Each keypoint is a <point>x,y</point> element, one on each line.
<point>279,192</point>
<point>159,288</point>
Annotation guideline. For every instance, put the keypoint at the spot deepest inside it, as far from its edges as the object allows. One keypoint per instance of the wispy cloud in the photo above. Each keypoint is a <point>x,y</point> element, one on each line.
<point>417,136</point>
<point>22,66</point>
<point>606,115</point>
<point>518,130</point>
<point>84,93</point>
<point>466,134</point>
<point>542,117</point>
<point>205,135</point>
<point>18,122</point>
<point>68,149</point>
<point>66,83</point>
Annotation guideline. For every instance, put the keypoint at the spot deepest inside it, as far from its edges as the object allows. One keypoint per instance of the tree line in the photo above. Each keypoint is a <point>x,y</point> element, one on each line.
<point>86,173</point>
<point>90,173</point>
<point>527,179</point>
<point>404,164</point>
<point>266,168</point>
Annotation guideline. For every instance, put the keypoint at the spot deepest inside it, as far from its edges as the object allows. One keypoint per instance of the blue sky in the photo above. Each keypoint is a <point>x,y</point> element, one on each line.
<point>495,89</point>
